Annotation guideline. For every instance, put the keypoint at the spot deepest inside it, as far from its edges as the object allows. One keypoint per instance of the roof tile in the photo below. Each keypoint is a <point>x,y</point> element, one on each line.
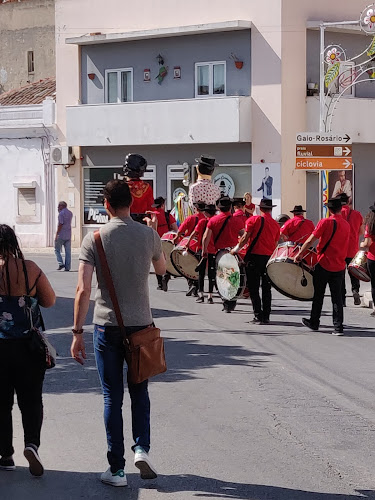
<point>33,93</point>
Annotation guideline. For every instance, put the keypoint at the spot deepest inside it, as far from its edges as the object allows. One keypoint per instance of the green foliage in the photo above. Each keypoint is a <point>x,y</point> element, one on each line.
<point>371,49</point>
<point>332,74</point>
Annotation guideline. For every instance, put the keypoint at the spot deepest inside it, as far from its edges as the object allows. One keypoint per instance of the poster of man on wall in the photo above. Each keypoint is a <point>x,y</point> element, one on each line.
<point>340,181</point>
<point>266,183</point>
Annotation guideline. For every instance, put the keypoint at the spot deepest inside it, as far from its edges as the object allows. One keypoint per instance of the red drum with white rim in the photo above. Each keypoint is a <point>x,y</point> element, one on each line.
<point>167,246</point>
<point>358,266</point>
<point>289,278</point>
<point>184,259</point>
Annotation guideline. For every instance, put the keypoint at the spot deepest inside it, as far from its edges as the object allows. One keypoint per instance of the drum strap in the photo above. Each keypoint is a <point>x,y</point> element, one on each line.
<point>221,229</point>
<point>255,240</point>
<point>332,235</point>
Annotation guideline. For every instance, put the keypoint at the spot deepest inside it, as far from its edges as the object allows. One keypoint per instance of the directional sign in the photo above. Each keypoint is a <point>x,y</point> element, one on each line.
<point>316,150</point>
<point>322,138</point>
<point>323,163</point>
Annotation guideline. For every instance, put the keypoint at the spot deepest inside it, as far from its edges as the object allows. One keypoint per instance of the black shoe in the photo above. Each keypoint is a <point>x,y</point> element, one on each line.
<point>307,323</point>
<point>357,298</point>
<point>255,321</point>
<point>210,300</point>
<point>61,266</point>
<point>164,285</point>
<point>265,321</point>
<point>7,464</point>
<point>35,464</point>
<point>195,292</point>
<point>159,287</point>
<point>339,332</point>
<point>200,299</point>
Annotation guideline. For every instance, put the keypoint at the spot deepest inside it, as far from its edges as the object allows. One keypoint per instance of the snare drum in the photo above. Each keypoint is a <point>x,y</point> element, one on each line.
<point>358,266</point>
<point>230,275</point>
<point>167,246</point>
<point>291,279</point>
<point>185,260</point>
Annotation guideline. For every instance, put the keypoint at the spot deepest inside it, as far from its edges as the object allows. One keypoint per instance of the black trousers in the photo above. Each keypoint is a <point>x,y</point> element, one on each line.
<point>257,276</point>
<point>335,283</point>
<point>371,271</point>
<point>21,372</point>
<point>211,272</point>
<point>160,277</point>
<point>354,281</point>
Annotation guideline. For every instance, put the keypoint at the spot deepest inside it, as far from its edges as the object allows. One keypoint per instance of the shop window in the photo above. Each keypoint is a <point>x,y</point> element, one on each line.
<point>30,61</point>
<point>210,79</point>
<point>26,202</point>
<point>119,85</point>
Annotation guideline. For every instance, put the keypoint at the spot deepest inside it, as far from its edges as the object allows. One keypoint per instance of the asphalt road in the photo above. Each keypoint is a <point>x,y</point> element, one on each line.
<point>244,412</point>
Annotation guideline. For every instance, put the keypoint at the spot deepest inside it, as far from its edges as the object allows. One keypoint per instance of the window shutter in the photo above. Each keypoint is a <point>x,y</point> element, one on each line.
<point>26,201</point>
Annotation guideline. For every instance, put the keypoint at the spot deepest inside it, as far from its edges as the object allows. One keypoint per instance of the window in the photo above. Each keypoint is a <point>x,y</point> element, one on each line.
<point>119,85</point>
<point>26,202</point>
<point>210,79</point>
<point>30,61</point>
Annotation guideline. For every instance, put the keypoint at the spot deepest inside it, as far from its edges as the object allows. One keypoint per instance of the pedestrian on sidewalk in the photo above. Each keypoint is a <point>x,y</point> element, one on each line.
<point>63,236</point>
<point>333,235</point>
<point>130,249</point>
<point>23,288</point>
<point>369,246</point>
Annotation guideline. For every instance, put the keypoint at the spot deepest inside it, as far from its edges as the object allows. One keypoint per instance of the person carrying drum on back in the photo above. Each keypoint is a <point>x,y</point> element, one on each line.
<point>355,220</point>
<point>134,168</point>
<point>209,261</point>
<point>185,229</point>
<point>262,235</point>
<point>368,245</point>
<point>165,222</point>
<point>297,229</point>
<point>333,235</point>
<point>223,229</point>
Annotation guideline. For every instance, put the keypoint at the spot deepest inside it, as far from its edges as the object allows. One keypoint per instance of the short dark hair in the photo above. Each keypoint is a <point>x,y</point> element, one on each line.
<point>117,193</point>
<point>335,210</point>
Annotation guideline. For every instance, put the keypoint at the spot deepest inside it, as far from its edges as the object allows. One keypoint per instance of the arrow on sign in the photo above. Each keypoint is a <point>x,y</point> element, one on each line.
<point>346,138</point>
<point>347,163</point>
<point>346,151</point>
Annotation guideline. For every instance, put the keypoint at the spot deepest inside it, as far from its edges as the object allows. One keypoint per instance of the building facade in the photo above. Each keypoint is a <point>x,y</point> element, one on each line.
<point>229,81</point>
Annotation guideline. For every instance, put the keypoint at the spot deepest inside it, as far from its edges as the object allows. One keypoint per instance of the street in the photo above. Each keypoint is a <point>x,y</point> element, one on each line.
<point>243,412</point>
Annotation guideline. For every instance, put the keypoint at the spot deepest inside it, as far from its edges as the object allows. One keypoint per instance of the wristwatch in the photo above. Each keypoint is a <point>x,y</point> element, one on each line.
<point>77,332</point>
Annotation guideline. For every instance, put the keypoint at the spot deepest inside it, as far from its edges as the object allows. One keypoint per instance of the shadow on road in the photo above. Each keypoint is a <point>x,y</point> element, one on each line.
<point>61,485</point>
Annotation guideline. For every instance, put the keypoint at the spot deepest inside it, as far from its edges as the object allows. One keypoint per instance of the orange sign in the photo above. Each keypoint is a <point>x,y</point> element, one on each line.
<point>323,151</point>
<point>324,163</point>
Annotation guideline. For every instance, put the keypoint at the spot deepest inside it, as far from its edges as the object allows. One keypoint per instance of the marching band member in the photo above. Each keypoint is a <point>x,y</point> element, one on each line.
<point>262,235</point>
<point>204,189</point>
<point>222,228</point>
<point>165,222</point>
<point>134,168</point>
<point>355,220</point>
<point>333,235</point>
<point>239,209</point>
<point>249,205</point>
<point>297,229</point>
<point>369,246</point>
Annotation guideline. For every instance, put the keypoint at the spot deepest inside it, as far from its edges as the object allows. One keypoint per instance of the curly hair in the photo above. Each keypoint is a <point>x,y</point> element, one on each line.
<point>370,223</point>
<point>9,248</point>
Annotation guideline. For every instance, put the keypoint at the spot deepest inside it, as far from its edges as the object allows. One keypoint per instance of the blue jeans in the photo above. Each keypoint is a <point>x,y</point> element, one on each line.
<point>68,252</point>
<point>109,355</point>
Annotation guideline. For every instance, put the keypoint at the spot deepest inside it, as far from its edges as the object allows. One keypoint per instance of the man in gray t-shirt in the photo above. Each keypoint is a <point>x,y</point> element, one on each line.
<point>130,248</point>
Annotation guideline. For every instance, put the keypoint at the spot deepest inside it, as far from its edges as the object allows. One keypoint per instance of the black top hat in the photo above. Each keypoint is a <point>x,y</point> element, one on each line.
<point>344,198</point>
<point>158,202</point>
<point>297,208</point>
<point>334,202</point>
<point>200,205</point>
<point>135,166</point>
<point>207,161</point>
<point>224,202</point>
<point>210,208</point>
<point>266,203</point>
<point>239,201</point>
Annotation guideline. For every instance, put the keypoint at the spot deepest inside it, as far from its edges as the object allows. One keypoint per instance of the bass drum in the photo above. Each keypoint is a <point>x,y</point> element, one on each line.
<point>167,246</point>
<point>185,260</point>
<point>358,266</point>
<point>292,280</point>
<point>230,275</point>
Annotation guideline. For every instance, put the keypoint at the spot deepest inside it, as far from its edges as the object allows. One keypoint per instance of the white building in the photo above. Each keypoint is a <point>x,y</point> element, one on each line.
<point>27,179</point>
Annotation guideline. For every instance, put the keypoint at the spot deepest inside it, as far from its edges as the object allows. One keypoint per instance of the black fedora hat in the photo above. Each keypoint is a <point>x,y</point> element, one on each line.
<point>239,201</point>
<point>297,208</point>
<point>344,198</point>
<point>200,205</point>
<point>207,161</point>
<point>158,202</point>
<point>334,202</point>
<point>210,208</point>
<point>224,202</point>
<point>266,203</point>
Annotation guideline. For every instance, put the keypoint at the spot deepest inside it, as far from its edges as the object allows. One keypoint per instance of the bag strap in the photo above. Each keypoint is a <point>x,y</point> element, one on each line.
<point>108,279</point>
<point>221,229</point>
<point>332,235</point>
<point>255,240</point>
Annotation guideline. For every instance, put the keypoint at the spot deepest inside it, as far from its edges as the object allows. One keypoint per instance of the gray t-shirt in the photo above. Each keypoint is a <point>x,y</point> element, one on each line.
<point>129,247</point>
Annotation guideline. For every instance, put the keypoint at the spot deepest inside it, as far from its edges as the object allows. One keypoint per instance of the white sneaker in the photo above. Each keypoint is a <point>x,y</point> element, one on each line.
<point>114,479</point>
<point>143,463</point>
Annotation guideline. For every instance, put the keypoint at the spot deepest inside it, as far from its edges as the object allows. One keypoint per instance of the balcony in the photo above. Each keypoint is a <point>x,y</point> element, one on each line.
<point>186,121</point>
<point>353,116</point>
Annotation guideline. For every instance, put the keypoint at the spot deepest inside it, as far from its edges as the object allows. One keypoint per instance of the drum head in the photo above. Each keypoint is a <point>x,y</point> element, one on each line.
<point>230,275</point>
<point>359,272</point>
<point>167,247</point>
<point>185,262</point>
<point>287,278</point>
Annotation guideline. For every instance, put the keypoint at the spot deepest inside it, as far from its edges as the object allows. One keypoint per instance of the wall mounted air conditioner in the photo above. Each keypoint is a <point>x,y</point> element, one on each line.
<point>61,155</point>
